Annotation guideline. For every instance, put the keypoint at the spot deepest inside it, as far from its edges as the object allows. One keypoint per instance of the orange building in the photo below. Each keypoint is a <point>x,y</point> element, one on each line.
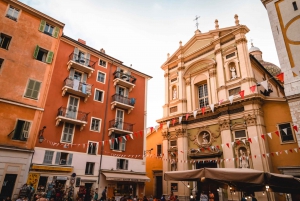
<point>95,108</point>
<point>29,43</point>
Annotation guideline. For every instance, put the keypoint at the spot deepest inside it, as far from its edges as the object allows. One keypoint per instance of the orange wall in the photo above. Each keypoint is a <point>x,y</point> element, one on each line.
<point>152,163</point>
<point>278,112</point>
<point>94,108</point>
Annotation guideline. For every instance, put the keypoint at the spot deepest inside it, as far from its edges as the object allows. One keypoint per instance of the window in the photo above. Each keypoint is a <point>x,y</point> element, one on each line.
<point>173,143</point>
<point>67,133</point>
<point>22,130</point>
<point>48,157</point>
<point>63,158</point>
<point>295,6</point>
<point>48,29</point>
<point>102,63</point>
<point>203,95</point>
<point>4,41</point>
<point>89,168</point>
<point>158,150</point>
<point>43,55</point>
<point>117,146</point>
<point>101,77</point>
<point>235,91</point>
<point>12,13</point>
<point>240,134</point>
<point>92,149</point>
<point>230,55</point>
<point>42,185</point>
<point>122,164</point>
<point>286,132</point>
<point>98,95</point>
<point>33,89</point>
<point>95,125</point>
<point>1,62</point>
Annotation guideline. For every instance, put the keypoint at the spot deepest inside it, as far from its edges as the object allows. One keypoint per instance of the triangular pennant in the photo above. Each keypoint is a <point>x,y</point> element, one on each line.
<point>250,140</point>
<point>265,84</point>
<point>285,131</point>
<point>277,133</point>
<point>136,134</point>
<point>268,154</point>
<point>295,127</point>
<point>244,141</point>
<point>276,153</point>
<point>173,121</point>
<point>128,137</point>
<point>296,150</point>
<point>110,142</point>
<point>227,144</point>
<point>264,155</point>
<point>124,138</point>
<point>116,139</point>
<point>255,138</point>
<point>286,151</point>
<point>280,77</point>
<point>270,135</point>
<point>221,101</point>
<point>231,98</point>
<point>161,125</point>
<point>252,89</point>
<point>151,129</point>
<point>180,119</point>
<point>263,136</point>
<point>168,124</point>
<point>203,110</point>
<point>131,136</point>
<point>222,145</point>
<point>291,150</point>
<point>242,94</point>
<point>195,113</point>
<point>102,143</point>
<point>237,142</point>
<point>232,143</point>
<point>187,116</point>
<point>141,133</point>
<point>212,107</point>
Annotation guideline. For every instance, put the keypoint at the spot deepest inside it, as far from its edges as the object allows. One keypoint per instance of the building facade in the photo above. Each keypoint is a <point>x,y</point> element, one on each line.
<point>95,107</point>
<point>219,111</point>
<point>29,43</point>
<point>284,20</point>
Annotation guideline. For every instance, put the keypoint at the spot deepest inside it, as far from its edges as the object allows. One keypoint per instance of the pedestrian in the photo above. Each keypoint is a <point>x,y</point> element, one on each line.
<point>163,198</point>
<point>253,197</point>
<point>96,195</point>
<point>103,194</point>
<point>211,196</point>
<point>151,198</point>
<point>172,197</point>
<point>203,196</point>
<point>243,198</point>
<point>30,191</point>
<point>176,198</point>
<point>145,198</point>
<point>43,198</point>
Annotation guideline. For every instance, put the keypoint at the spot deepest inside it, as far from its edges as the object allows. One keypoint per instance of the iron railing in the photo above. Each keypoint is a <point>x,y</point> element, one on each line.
<point>124,76</point>
<point>72,114</point>
<point>120,125</point>
<point>81,60</point>
<point>122,99</point>
<point>83,87</point>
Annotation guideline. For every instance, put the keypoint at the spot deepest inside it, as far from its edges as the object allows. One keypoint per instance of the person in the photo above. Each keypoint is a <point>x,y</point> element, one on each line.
<point>171,198</point>
<point>145,198</point>
<point>151,198</point>
<point>30,191</point>
<point>243,198</point>
<point>176,198</point>
<point>203,196</point>
<point>253,197</point>
<point>96,195</point>
<point>19,199</point>
<point>103,195</point>
<point>211,196</point>
<point>23,191</point>
<point>163,198</point>
<point>43,198</point>
<point>8,199</point>
<point>205,139</point>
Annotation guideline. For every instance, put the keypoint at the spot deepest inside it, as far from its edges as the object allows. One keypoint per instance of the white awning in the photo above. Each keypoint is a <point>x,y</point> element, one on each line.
<point>126,177</point>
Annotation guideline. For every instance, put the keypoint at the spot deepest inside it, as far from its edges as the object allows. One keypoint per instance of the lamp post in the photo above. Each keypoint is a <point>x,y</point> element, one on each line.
<point>267,191</point>
<point>41,136</point>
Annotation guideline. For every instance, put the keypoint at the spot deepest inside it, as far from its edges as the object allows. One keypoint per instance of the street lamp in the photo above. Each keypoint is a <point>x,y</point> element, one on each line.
<point>41,137</point>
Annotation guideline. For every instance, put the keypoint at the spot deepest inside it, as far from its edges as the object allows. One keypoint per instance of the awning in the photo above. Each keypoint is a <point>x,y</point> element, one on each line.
<point>126,177</point>
<point>52,168</point>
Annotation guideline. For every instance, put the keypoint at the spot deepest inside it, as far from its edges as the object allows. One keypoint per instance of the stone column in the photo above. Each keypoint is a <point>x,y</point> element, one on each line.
<point>188,94</point>
<point>220,73</point>
<point>165,162</point>
<point>182,90</point>
<point>226,137</point>
<point>167,92</point>
<point>213,85</point>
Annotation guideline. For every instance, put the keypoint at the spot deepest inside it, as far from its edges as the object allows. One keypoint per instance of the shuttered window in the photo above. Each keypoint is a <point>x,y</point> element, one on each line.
<point>49,29</point>
<point>21,131</point>
<point>33,89</point>
<point>92,149</point>
<point>98,95</point>
<point>43,55</point>
<point>95,125</point>
<point>68,133</point>
<point>12,13</point>
<point>89,168</point>
<point>101,77</point>
<point>122,164</point>
<point>48,157</point>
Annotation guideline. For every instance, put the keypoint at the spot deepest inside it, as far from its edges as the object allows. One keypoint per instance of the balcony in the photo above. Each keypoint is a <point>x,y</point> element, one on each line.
<point>120,127</point>
<point>81,63</point>
<point>124,79</point>
<point>77,88</point>
<point>71,116</point>
<point>122,102</point>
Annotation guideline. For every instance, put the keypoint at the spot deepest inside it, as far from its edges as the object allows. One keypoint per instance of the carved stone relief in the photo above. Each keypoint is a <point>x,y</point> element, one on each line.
<point>224,124</point>
<point>250,120</point>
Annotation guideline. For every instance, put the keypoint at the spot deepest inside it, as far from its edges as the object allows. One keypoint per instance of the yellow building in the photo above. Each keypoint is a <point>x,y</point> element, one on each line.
<point>224,108</point>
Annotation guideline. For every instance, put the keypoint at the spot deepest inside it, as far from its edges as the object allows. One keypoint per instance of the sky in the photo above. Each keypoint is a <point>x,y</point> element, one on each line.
<point>142,33</point>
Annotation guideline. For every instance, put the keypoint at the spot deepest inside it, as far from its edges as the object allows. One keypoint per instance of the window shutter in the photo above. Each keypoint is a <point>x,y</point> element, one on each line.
<point>84,77</point>
<point>29,89</point>
<point>57,159</point>
<point>87,59</point>
<point>97,95</point>
<point>123,144</point>
<point>25,131</point>
<point>126,93</point>
<point>126,165</point>
<point>36,90</point>
<point>49,57</point>
<point>76,53</point>
<point>36,51</point>
<point>42,26</point>
<point>118,163</point>
<point>48,157</point>
<point>112,144</point>
<point>128,76</point>
<point>55,32</point>
<point>118,74</point>
<point>72,71</point>
<point>70,159</point>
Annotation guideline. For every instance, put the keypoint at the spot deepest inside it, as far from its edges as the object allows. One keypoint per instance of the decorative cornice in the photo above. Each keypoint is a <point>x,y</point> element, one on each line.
<point>212,72</point>
<point>180,133</point>
<point>241,40</point>
<point>248,79</point>
<point>224,124</point>
<point>250,120</point>
<point>166,74</point>
<point>180,68</point>
<point>217,51</point>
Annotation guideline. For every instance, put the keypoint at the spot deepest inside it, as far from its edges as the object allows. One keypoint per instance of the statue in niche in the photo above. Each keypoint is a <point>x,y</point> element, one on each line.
<point>174,93</point>
<point>233,72</point>
<point>243,158</point>
<point>204,138</point>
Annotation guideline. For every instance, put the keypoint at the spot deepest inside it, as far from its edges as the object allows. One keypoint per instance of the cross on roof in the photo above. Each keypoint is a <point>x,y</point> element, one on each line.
<point>196,19</point>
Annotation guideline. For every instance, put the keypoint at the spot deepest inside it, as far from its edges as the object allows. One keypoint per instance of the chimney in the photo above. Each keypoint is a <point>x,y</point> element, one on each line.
<point>102,50</point>
<point>81,41</point>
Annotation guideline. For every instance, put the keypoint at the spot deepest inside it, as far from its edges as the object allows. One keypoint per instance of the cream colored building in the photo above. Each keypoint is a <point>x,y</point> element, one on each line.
<point>209,70</point>
<point>284,16</point>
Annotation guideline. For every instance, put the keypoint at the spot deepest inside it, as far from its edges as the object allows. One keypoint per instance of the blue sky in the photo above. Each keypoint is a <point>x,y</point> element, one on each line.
<point>141,33</point>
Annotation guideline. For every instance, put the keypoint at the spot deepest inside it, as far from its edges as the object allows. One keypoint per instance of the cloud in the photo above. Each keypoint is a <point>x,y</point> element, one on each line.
<point>157,7</point>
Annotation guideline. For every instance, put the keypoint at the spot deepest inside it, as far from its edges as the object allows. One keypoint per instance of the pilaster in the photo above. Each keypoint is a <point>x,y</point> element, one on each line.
<point>220,72</point>
<point>226,137</point>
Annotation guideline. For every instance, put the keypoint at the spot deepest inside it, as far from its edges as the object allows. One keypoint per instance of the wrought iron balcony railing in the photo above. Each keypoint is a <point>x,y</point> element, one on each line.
<point>78,58</point>
<point>121,125</point>
<point>124,76</point>
<point>72,114</point>
<point>79,86</point>
<point>124,100</point>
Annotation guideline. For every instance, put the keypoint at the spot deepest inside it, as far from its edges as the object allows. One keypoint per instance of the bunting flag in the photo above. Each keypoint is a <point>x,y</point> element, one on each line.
<point>291,150</point>
<point>212,107</point>
<point>173,121</point>
<point>187,116</point>
<point>231,99</point>
<point>203,110</point>
<point>285,131</point>
<point>280,77</point>
<point>221,101</point>
<point>151,129</point>
<point>156,128</point>
<point>227,144</point>
<point>124,138</point>
<point>161,125</point>
<point>136,134</point>
<point>277,133</point>
<point>128,137</point>
<point>195,113</point>
<point>286,151</point>
<point>252,89</point>
<point>168,124</point>
<point>141,133</point>
<point>131,136</point>
<point>222,145</point>
<point>250,140</point>
<point>255,138</point>
<point>180,119</point>
<point>242,94</point>
<point>265,84</point>
<point>263,136</point>
<point>116,140</point>
<point>296,150</point>
<point>295,127</point>
<point>244,141</point>
<point>270,135</point>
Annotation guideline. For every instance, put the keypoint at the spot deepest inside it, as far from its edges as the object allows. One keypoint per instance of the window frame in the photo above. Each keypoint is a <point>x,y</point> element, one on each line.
<point>62,133</point>
<point>30,125</point>
<point>125,163</point>
<point>93,168</point>
<point>9,42</point>
<point>51,158</point>
<point>121,149</point>
<point>157,154</point>
<point>1,63</point>
<point>96,151</point>
<point>99,124</point>
<point>204,97</point>
<point>12,17</point>
<point>102,65</point>
<point>171,143</point>
<point>24,95</point>
<point>280,132</point>
<point>96,89</point>
<point>239,138</point>
<point>104,77</point>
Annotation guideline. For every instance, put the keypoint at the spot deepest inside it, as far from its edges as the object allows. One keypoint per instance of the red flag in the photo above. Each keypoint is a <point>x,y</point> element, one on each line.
<point>295,128</point>
<point>264,155</point>
<point>203,110</point>
<point>218,147</point>
<point>151,129</point>
<point>242,94</point>
<point>208,148</point>
<point>136,134</point>
<point>250,140</point>
<point>272,154</point>
<point>252,89</point>
<point>181,151</point>
<point>141,133</point>
<point>263,136</point>
<point>254,156</point>
<point>280,77</point>
<point>161,125</point>
<point>128,137</point>
<point>187,116</point>
<point>291,150</point>
<point>227,144</point>
<point>120,139</point>
<point>237,142</point>
<point>173,121</point>
<point>277,133</point>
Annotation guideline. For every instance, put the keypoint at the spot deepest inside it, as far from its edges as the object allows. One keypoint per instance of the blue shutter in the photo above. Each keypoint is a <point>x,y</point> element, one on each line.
<point>70,159</point>
<point>57,159</point>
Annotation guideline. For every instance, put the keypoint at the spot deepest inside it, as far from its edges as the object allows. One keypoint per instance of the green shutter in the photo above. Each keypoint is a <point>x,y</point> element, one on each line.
<point>55,32</point>
<point>36,51</point>
<point>49,57</point>
<point>29,89</point>
<point>42,26</point>
<point>36,90</point>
